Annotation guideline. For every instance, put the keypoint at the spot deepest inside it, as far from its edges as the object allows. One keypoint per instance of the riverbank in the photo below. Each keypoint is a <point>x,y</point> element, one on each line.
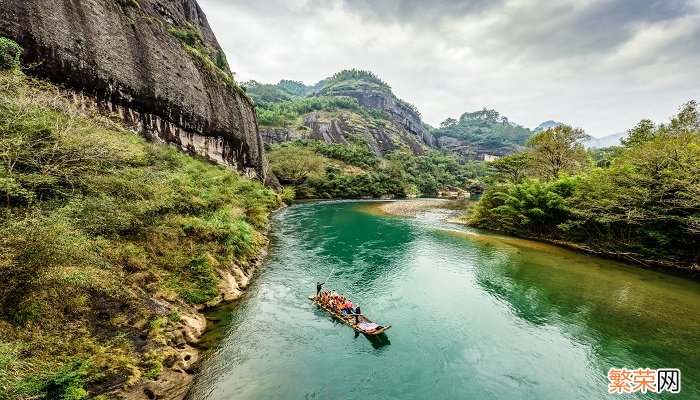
<point>413,207</point>
<point>448,210</point>
<point>177,378</point>
<point>421,207</point>
<point>107,261</point>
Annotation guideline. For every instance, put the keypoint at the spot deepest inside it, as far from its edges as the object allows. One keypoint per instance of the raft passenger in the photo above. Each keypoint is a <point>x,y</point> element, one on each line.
<point>357,314</point>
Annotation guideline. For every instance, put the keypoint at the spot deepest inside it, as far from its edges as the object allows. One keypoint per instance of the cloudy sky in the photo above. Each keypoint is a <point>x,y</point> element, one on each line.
<point>597,64</point>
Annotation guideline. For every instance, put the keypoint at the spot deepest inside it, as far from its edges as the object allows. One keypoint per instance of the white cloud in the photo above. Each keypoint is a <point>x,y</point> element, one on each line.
<point>598,64</point>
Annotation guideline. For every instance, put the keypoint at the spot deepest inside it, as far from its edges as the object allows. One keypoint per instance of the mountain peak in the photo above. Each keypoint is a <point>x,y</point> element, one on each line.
<point>349,75</point>
<point>546,125</point>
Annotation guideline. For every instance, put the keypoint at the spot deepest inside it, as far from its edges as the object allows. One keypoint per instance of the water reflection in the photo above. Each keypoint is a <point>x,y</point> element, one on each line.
<point>474,316</point>
<point>365,250</point>
<point>627,316</point>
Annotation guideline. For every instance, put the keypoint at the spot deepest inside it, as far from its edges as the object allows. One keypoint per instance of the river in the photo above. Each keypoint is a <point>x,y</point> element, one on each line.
<point>475,316</point>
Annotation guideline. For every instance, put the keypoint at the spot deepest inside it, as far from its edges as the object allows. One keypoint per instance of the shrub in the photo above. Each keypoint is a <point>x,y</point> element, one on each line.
<point>31,248</point>
<point>220,60</point>
<point>10,53</point>
<point>94,221</point>
<point>286,113</point>
<point>129,3</point>
<point>174,316</point>
<point>196,283</point>
<point>190,37</point>
<point>67,383</point>
<point>288,194</point>
<point>101,215</point>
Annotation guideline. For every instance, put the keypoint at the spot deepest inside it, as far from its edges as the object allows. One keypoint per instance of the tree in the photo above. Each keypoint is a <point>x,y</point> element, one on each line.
<point>293,164</point>
<point>558,149</point>
<point>603,156</point>
<point>648,200</point>
<point>511,168</point>
<point>220,61</point>
<point>643,204</point>
<point>448,123</point>
<point>687,120</point>
<point>644,131</point>
<point>486,129</point>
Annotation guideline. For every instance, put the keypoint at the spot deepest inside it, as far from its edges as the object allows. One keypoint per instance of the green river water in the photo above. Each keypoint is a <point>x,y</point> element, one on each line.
<point>475,316</point>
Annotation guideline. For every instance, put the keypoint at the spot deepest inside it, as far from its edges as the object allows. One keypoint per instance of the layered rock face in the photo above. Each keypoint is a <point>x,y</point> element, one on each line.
<point>125,58</point>
<point>385,122</point>
<point>399,113</point>
<point>471,151</point>
<point>337,127</point>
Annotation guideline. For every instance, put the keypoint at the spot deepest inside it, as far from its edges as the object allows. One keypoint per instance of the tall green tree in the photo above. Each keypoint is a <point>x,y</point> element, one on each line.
<point>643,132</point>
<point>294,164</point>
<point>558,149</point>
<point>644,205</point>
<point>513,168</point>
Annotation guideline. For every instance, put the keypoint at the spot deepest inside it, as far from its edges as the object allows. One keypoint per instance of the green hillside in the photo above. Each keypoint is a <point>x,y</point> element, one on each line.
<point>486,129</point>
<point>96,223</point>
<point>265,94</point>
<point>283,104</point>
<point>315,169</point>
<point>345,142</point>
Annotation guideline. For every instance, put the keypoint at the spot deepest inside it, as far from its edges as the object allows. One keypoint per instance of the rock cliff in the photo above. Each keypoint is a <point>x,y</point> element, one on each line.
<point>373,96</point>
<point>338,127</point>
<point>349,103</point>
<point>155,64</point>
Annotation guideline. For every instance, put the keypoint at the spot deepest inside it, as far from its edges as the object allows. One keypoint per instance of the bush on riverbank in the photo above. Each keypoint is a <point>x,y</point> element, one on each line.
<point>96,223</point>
<point>642,205</point>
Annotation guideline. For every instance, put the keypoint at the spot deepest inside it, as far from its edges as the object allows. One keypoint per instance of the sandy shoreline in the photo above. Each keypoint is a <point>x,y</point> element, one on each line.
<point>413,208</point>
<point>417,207</point>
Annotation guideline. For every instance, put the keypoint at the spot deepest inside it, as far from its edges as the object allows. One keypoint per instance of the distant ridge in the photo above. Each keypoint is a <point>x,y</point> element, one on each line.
<point>546,125</point>
<point>605,141</point>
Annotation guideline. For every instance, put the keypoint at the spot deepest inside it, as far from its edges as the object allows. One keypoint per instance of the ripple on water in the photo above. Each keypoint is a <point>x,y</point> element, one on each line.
<point>474,315</point>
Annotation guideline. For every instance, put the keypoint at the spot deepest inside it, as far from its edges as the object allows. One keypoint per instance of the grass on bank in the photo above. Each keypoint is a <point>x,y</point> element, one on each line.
<point>95,223</point>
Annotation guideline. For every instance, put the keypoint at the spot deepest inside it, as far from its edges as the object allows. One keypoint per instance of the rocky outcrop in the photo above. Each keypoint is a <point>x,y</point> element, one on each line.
<point>340,108</point>
<point>372,96</point>
<point>277,135</point>
<point>124,57</point>
<point>339,127</point>
<point>179,346</point>
<point>399,112</point>
<point>472,151</point>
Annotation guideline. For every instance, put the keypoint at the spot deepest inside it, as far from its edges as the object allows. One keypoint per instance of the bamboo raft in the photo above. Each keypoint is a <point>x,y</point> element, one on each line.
<point>350,320</point>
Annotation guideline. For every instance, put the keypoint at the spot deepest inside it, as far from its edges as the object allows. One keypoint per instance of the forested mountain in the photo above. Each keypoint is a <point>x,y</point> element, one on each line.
<point>354,102</point>
<point>351,102</point>
<point>350,136</point>
<point>481,132</point>
<point>265,94</point>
